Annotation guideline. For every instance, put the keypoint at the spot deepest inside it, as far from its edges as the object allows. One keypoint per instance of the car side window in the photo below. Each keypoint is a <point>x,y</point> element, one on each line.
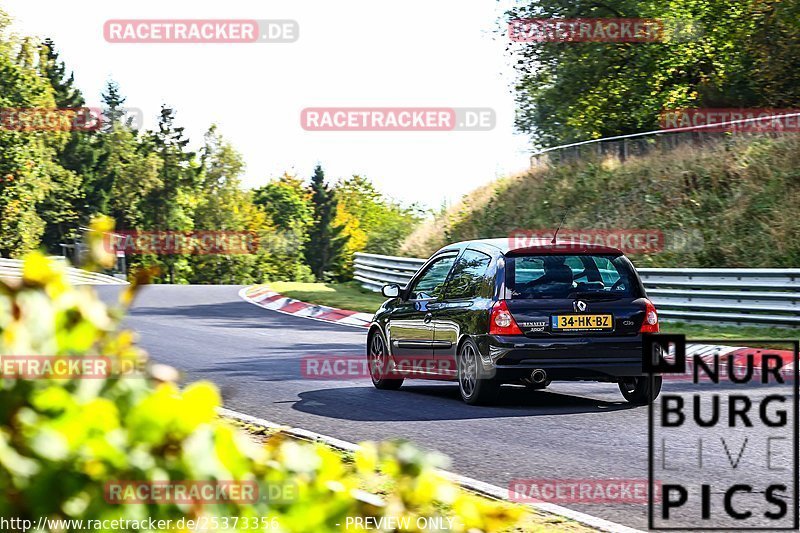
<point>431,283</point>
<point>468,279</point>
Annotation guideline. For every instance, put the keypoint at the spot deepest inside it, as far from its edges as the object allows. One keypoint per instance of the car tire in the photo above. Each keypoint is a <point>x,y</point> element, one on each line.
<point>475,389</point>
<point>378,360</point>
<point>642,390</point>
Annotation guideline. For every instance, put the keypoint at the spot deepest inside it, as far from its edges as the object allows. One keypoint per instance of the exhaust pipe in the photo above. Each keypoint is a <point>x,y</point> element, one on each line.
<point>538,376</point>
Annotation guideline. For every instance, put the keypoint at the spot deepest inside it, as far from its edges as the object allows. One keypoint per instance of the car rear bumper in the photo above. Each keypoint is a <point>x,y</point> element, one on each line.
<point>592,358</point>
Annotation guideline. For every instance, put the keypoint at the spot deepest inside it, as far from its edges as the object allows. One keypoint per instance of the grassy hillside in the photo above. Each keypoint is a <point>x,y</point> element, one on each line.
<point>741,196</point>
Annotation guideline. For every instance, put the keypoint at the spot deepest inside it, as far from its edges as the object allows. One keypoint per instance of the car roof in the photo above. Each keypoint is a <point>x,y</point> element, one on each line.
<point>511,246</point>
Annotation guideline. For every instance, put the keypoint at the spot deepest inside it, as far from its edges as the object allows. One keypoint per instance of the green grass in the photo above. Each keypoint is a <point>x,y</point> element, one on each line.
<point>341,295</point>
<point>733,333</point>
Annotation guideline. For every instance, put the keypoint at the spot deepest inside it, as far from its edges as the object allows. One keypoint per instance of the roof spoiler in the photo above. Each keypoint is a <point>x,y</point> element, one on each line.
<point>565,248</point>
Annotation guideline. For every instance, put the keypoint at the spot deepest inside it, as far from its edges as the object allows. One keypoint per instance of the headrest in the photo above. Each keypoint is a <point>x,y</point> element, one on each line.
<point>558,274</point>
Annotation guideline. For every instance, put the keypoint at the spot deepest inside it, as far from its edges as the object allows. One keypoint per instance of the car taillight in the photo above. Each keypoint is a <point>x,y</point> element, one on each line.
<point>650,323</point>
<point>501,322</point>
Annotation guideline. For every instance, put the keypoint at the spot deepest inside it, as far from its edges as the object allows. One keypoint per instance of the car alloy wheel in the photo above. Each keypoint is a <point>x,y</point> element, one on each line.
<point>378,361</point>
<point>474,388</point>
<point>468,370</point>
<point>377,356</point>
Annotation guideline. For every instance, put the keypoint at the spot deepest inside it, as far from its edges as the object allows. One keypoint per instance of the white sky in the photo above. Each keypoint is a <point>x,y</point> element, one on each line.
<point>350,53</point>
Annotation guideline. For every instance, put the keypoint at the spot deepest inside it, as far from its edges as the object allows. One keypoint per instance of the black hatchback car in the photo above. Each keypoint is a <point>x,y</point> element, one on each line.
<point>484,313</point>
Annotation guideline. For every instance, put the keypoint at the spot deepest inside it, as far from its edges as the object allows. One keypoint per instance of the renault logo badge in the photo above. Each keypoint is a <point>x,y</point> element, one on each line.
<point>580,305</point>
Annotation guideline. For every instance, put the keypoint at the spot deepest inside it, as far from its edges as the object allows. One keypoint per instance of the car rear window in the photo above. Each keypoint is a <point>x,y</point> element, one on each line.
<point>570,276</point>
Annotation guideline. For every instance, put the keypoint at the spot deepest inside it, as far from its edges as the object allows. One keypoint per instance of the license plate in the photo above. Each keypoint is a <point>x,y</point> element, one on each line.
<point>583,322</point>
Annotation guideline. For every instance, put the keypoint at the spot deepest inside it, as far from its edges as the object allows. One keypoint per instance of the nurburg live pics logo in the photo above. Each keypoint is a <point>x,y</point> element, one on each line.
<point>723,443</point>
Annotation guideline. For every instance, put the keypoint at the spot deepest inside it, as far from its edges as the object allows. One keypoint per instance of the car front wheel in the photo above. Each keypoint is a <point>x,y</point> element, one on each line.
<point>379,363</point>
<point>642,390</point>
<point>475,389</point>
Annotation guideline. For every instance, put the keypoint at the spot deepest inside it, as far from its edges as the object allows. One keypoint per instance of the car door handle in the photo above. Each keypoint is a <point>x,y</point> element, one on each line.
<point>428,317</point>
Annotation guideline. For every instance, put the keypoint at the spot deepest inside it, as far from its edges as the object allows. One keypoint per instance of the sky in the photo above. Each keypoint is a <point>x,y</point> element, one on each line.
<point>418,53</point>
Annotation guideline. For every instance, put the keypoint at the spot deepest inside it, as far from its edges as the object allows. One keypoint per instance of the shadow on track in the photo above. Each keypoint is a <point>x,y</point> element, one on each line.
<point>278,364</point>
<point>443,402</point>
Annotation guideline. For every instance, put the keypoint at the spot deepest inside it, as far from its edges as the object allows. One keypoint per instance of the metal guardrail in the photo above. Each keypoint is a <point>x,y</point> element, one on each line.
<point>623,146</point>
<point>12,269</point>
<point>767,296</point>
<point>374,271</point>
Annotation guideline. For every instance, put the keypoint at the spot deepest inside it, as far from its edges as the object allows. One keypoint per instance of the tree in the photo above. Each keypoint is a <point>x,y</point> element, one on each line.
<point>117,151</point>
<point>371,222</point>
<point>169,206</point>
<point>325,250</point>
<point>128,175</point>
<point>165,205</point>
<point>63,207</point>
<point>112,101</point>
<point>51,182</point>
<point>287,202</point>
<point>223,206</point>
<point>743,54</point>
<point>28,169</point>
<point>64,91</point>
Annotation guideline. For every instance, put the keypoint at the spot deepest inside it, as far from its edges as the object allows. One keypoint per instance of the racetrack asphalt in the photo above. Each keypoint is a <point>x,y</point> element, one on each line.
<point>569,431</point>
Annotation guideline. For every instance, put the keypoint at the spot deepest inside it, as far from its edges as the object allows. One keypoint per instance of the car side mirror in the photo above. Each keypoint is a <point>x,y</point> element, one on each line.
<point>391,291</point>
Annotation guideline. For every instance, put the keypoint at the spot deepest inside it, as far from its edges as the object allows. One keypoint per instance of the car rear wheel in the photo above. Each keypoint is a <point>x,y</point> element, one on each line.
<point>475,389</point>
<point>378,360</point>
<point>641,390</point>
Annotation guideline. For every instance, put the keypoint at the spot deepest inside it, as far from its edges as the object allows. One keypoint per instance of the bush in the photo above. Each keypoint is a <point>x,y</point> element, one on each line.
<point>63,439</point>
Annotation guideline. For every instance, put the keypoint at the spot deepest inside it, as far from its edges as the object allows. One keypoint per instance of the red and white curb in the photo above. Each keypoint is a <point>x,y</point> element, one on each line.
<point>263,296</point>
<point>468,483</point>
